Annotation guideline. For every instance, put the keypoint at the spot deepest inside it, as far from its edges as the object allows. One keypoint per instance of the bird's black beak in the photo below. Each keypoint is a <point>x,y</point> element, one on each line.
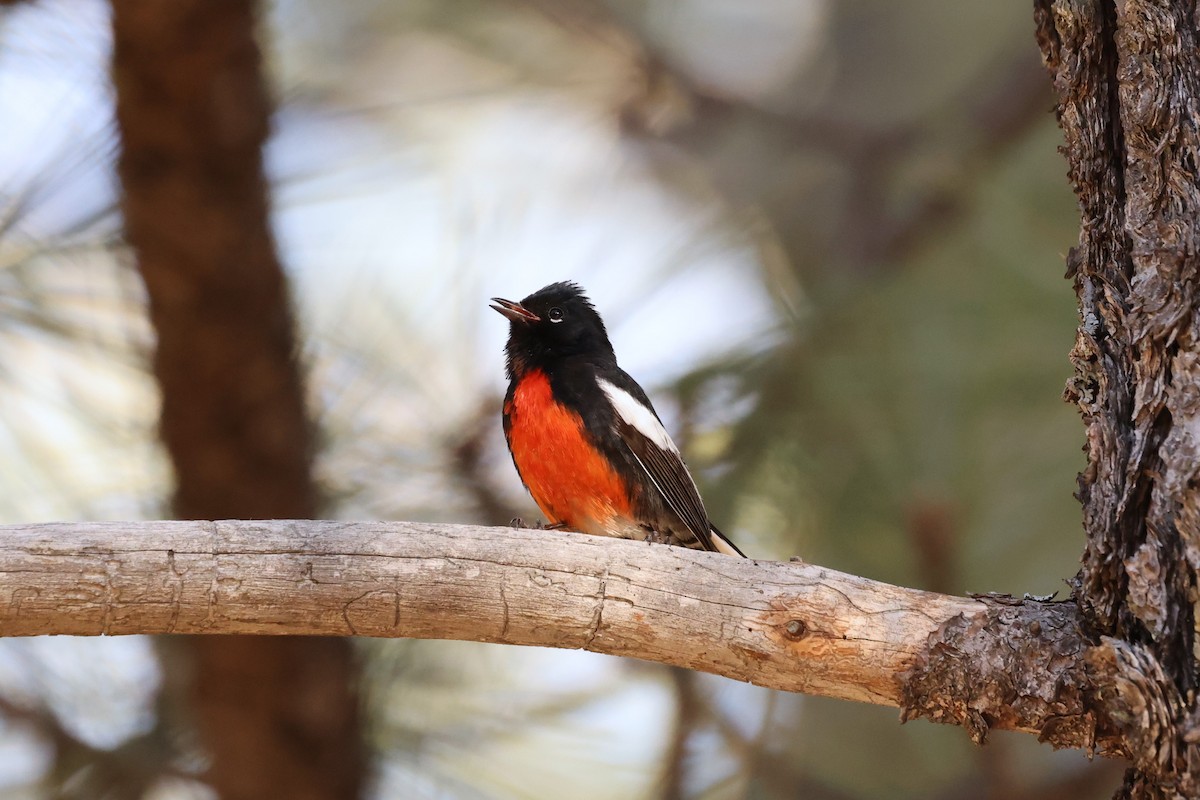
<point>514,311</point>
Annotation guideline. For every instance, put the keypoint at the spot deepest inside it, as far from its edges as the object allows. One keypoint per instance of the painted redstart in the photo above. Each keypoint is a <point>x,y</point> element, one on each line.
<point>584,437</point>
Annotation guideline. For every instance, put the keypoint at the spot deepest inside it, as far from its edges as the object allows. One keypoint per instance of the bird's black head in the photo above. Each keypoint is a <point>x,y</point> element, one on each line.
<point>552,324</point>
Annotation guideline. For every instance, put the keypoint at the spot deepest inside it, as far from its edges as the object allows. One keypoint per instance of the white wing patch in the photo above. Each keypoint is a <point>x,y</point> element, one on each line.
<point>637,415</point>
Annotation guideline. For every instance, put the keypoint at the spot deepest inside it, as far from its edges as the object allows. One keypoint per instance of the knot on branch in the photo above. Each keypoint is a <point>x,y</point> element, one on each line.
<point>795,629</point>
<point>1019,664</point>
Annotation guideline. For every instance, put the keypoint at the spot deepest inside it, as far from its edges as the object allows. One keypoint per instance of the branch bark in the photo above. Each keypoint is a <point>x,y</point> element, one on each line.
<point>986,662</point>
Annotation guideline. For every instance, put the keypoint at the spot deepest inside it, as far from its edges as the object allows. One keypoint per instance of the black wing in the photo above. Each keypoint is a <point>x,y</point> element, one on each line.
<point>664,467</point>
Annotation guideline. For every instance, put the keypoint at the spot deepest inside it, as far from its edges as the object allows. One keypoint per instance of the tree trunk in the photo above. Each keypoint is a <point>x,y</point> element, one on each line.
<point>1127,74</point>
<point>277,715</point>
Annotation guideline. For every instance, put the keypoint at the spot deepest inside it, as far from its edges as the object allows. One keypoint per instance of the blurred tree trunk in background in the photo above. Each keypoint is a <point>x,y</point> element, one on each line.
<point>1128,79</point>
<point>277,715</point>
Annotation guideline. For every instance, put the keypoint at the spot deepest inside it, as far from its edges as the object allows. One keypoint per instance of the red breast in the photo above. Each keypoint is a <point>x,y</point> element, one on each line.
<point>570,480</point>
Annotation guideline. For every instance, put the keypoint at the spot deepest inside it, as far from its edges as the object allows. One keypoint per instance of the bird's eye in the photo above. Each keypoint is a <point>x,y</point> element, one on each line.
<point>555,314</point>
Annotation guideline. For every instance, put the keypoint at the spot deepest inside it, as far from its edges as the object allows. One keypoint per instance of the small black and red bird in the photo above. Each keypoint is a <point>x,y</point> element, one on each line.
<point>584,437</point>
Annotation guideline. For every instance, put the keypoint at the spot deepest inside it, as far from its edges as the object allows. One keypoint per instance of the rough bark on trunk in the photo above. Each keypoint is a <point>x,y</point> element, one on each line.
<point>278,716</point>
<point>1127,73</point>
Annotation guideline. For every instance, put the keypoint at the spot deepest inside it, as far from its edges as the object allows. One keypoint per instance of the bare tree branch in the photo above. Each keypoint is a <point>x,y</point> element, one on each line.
<point>988,662</point>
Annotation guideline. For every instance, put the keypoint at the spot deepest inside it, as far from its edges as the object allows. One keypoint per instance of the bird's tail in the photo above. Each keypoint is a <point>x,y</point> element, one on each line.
<point>722,544</point>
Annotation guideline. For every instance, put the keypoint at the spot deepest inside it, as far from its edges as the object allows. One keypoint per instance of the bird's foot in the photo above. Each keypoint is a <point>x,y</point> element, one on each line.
<point>517,522</point>
<point>657,537</point>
